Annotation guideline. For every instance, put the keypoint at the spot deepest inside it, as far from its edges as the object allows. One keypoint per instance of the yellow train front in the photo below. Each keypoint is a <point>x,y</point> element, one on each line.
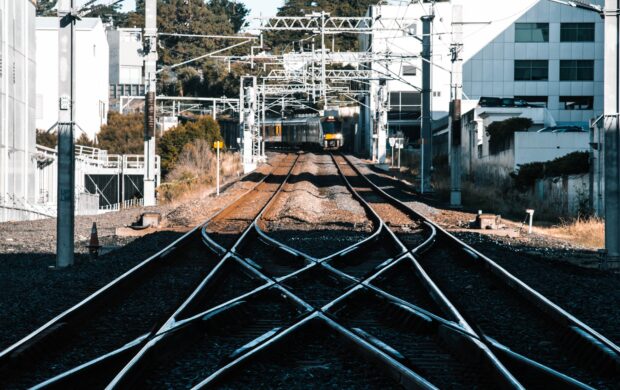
<point>331,128</point>
<point>310,133</point>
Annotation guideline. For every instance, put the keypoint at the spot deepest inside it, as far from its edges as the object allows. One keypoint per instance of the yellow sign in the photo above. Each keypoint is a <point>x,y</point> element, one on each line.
<point>331,136</point>
<point>218,145</point>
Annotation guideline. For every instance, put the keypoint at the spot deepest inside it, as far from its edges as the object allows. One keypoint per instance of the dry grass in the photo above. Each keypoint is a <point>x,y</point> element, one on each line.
<point>195,172</point>
<point>587,232</point>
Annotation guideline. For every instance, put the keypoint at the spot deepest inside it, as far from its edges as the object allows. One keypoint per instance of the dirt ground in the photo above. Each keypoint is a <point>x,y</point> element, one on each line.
<point>512,235</point>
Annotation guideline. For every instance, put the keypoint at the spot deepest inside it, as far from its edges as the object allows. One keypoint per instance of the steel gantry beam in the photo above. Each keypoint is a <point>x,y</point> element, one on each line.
<point>317,21</point>
<point>330,74</point>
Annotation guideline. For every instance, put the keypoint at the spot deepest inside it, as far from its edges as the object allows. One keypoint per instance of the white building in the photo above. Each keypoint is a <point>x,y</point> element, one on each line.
<point>18,165</point>
<point>538,50</point>
<point>126,63</point>
<point>92,74</point>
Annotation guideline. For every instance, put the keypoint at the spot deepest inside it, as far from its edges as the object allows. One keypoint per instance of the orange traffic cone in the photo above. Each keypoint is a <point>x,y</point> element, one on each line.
<point>93,245</point>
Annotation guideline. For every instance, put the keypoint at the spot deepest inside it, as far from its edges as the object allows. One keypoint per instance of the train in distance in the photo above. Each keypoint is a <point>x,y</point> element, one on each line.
<point>313,132</point>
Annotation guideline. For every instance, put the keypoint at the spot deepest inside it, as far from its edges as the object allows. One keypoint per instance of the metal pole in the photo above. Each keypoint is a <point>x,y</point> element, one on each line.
<point>427,132</point>
<point>66,121</point>
<point>612,134</point>
<point>455,108</point>
<point>217,175</point>
<point>150,123</point>
<point>323,67</point>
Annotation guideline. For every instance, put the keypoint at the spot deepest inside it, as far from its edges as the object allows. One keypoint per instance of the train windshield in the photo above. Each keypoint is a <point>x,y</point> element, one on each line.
<point>331,126</point>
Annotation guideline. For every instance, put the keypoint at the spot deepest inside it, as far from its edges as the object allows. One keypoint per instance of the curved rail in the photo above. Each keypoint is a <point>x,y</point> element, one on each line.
<point>608,353</point>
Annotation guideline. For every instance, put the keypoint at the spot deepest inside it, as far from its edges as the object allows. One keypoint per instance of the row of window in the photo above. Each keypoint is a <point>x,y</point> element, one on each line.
<point>567,102</point>
<point>538,70</point>
<point>569,32</point>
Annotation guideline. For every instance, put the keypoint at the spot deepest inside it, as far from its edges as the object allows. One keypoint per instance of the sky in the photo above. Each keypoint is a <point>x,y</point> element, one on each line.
<point>266,7</point>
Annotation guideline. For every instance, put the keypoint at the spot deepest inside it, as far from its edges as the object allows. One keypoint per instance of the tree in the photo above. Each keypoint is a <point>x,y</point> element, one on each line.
<point>109,13</point>
<point>500,133</point>
<point>236,12</point>
<point>124,134</point>
<point>173,141</point>
<point>84,141</point>
<point>46,139</point>
<point>46,7</point>
<point>342,42</point>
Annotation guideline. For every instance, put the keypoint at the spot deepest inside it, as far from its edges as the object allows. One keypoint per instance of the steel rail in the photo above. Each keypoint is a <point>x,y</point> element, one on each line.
<point>494,362</point>
<point>119,380</point>
<point>607,350</point>
<point>175,326</point>
<point>44,333</point>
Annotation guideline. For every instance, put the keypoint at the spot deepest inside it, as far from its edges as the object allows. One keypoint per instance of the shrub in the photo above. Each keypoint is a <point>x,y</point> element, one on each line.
<point>500,133</point>
<point>571,164</point>
<point>44,138</point>
<point>173,141</point>
<point>123,134</point>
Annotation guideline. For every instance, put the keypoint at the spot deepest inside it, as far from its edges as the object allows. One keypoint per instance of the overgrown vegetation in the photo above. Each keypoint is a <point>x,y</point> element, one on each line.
<point>50,139</point>
<point>124,134</point>
<point>195,168</point>
<point>501,133</point>
<point>46,139</point>
<point>571,164</point>
<point>588,232</point>
<point>172,143</point>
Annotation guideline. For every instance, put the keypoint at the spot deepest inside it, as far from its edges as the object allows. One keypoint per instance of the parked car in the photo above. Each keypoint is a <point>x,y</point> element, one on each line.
<point>562,129</point>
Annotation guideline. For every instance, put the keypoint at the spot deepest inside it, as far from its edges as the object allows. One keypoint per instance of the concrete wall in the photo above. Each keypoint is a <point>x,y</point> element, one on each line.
<point>538,147</point>
<point>17,107</point>
<point>566,196</point>
<point>92,73</point>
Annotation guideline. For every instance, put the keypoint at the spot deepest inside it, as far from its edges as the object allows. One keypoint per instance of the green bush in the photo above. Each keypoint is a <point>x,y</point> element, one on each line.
<point>500,133</point>
<point>171,144</point>
<point>123,134</point>
<point>571,164</point>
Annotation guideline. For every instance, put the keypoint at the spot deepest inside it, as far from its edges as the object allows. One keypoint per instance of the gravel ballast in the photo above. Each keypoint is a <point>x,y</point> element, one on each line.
<point>315,212</point>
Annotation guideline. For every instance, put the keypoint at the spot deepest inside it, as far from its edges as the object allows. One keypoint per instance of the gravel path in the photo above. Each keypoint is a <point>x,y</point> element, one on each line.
<point>315,211</point>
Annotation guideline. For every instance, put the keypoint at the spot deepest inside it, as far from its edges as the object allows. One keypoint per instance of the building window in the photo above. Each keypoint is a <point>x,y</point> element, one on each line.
<point>404,105</point>
<point>531,70</point>
<point>577,102</point>
<point>576,70</point>
<point>577,32</point>
<point>538,101</point>
<point>532,32</point>
<point>409,70</point>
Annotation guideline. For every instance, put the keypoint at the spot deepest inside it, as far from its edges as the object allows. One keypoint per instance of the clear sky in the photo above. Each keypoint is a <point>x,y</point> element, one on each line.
<point>266,7</point>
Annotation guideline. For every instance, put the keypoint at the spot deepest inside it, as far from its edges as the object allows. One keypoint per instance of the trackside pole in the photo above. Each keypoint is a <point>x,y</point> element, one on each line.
<point>217,145</point>
<point>66,121</point>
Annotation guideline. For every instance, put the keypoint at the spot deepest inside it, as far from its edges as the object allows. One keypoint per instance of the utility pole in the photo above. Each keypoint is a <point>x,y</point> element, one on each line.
<point>612,134</point>
<point>150,122</point>
<point>427,131</point>
<point>67,17</point>
<point>455,106</point>
<point>381,122</point>
<point>323,67</point>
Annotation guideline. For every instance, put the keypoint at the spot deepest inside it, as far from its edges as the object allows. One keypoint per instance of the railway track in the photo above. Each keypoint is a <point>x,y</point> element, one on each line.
<point>391,310</point>
<point>534,338</point>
